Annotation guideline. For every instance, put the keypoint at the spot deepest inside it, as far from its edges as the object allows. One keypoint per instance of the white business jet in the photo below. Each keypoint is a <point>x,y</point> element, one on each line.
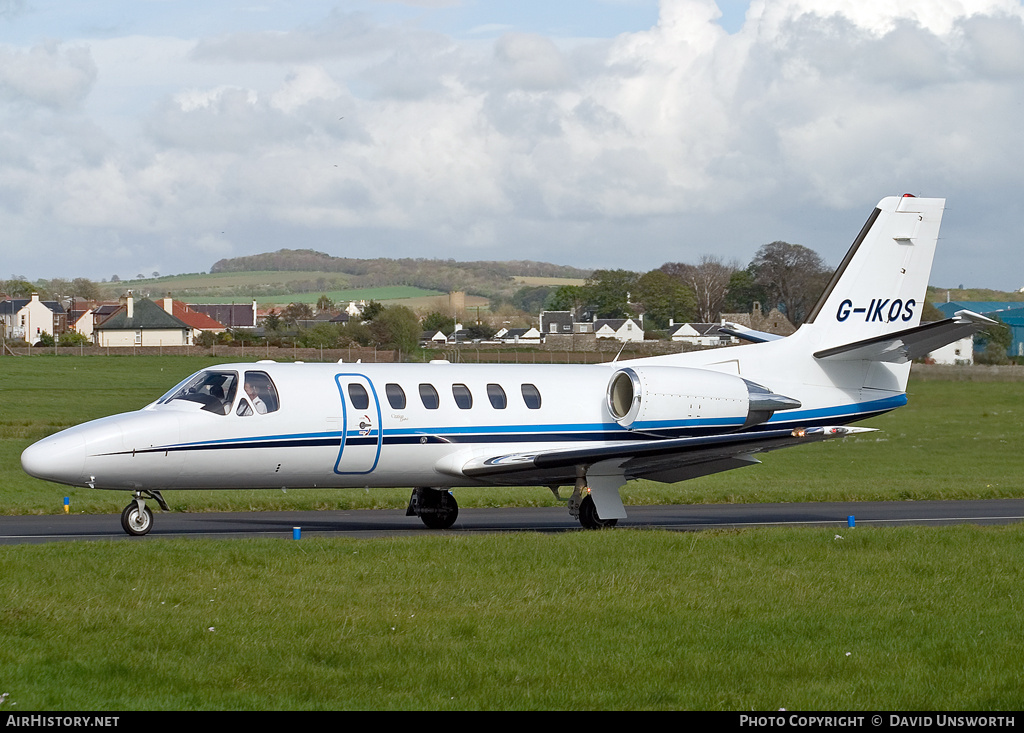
<point>439,426</point>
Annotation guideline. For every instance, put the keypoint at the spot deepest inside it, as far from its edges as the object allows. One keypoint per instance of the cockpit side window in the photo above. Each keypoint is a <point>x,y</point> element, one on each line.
<point>214,390</point>
<point>260,389</point>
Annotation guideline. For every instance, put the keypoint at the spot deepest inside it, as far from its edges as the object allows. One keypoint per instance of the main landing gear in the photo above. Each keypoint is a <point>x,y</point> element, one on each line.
<point>436,508</point>
<point>587,515</point>
<point>595,500</point>
<point>137,518</point>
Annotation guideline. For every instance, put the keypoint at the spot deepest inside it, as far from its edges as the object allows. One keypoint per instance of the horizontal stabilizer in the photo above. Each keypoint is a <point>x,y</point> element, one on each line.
<point>912,343</point>
<point>640,458</point>
<point>747,334</point>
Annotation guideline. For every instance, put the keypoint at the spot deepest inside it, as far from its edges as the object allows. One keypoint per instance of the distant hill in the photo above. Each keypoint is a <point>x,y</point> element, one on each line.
<point>945,295</point>
<point>489,279</point>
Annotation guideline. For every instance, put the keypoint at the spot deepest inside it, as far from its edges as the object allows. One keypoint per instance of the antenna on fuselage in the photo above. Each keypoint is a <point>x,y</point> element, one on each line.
<point>620,352</point>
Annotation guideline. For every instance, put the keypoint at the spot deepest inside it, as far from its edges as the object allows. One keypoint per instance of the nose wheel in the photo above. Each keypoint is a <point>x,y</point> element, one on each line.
<point>136,520</point>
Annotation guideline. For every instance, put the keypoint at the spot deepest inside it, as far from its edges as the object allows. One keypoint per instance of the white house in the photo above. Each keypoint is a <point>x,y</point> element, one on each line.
<point>30,319</point>
<point>699,334</point>
<point>959,352</point>
<point>142,323</point>
<point>623,329</point>
<point>432,338</point>
<point>518,336</point>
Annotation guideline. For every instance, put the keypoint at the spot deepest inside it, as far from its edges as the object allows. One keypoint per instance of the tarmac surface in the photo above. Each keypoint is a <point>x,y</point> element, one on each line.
<point>368,523</point>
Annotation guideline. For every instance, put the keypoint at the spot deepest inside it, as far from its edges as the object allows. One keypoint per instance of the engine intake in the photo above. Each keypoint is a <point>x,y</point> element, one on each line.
<point>649,398</point>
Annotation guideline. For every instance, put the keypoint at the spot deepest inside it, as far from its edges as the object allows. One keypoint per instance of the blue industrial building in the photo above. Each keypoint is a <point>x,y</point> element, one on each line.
<point>1009,312</point>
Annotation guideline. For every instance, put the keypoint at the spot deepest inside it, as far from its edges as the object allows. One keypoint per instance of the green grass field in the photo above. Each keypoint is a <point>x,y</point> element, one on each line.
<point>268,287</point>
<point>866,619</point>
<point>882,619</point>
<point>392,294</point>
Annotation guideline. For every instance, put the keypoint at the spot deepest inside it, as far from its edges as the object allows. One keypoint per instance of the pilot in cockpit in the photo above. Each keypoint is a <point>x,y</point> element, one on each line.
<point>259,405</point>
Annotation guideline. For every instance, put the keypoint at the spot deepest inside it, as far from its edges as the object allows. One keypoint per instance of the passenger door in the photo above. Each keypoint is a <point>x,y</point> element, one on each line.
<point>361,419</point>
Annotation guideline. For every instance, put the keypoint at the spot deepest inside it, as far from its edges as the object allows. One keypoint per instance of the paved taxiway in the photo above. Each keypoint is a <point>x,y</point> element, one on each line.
<point>381,522</point>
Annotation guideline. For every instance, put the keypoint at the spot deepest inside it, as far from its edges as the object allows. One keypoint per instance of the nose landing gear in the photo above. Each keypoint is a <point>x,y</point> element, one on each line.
<point>137,518</point>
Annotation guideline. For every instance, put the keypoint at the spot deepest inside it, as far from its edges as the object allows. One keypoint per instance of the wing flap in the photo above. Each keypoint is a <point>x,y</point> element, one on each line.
<point>910,344</point>
<point>649,457</point>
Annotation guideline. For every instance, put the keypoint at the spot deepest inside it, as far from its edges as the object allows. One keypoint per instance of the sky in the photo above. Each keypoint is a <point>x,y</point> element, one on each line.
<point>150,136</point>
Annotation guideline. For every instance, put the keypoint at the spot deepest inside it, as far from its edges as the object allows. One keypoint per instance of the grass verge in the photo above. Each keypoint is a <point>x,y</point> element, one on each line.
<point>899,619</point>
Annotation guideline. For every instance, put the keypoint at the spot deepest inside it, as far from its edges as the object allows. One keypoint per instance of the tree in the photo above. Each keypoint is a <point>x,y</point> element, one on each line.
<point>931,314</point>
<point>609,292</point>
<point>73,338</point>
<point>709,281</point>
<point>19,288</point>
<point>322,335</point>
<point>372,310</point>
<point>396,327</point>
<point>272,321</point>
<point>532,299</point>
<point>663,297</point>
<point>793,277</point>
<point>435,322</point>
<point>743,292</point>
<point>572,298</point>
<point>324,303</point>
<point>85,288</point>
<point>295,312</point>
<point>992,345</point>
<point>480,331</point>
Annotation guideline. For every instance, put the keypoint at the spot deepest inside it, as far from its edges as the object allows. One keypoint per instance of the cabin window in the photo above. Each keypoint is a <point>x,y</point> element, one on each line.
<point>463,397</point>
<point>497,396</point>
<point>531,396</point>
<point>429,397</point>
<point>260,390</point>
<point>358,397</point>
<point>396,396</point>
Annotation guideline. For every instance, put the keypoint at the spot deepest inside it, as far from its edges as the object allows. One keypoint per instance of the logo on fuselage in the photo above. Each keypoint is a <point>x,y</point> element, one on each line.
<point>880,310</point>
<point>365,425</point>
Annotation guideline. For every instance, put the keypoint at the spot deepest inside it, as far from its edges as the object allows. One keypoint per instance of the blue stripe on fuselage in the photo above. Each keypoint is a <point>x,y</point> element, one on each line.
<point>548,433</point>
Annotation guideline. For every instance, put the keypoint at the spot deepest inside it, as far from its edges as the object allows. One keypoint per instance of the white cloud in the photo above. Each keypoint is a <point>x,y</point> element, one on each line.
<point>531,62</point>
<point>683,137</point>
<point>49,75</point>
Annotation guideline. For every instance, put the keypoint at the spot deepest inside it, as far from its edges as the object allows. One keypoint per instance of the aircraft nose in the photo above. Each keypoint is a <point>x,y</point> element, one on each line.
<point>59,458</point>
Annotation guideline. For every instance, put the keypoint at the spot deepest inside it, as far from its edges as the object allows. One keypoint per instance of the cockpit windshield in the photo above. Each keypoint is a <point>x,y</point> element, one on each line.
<point>214,390</point>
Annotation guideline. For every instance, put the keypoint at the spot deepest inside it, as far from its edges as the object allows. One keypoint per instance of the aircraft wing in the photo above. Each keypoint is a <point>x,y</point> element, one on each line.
<point>913,343</point>
<point>668,460</point>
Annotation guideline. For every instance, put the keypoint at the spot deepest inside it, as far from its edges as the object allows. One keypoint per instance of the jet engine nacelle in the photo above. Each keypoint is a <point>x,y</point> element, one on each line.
<point>643,398</point>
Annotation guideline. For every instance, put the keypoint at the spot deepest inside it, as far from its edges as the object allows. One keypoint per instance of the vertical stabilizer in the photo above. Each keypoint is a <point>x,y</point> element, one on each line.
<point>881,284</point>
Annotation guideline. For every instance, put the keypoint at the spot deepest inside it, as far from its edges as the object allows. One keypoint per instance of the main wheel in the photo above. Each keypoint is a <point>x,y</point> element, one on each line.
<point>441,511</point>
<point>589,518</point>
<point>135,522</point>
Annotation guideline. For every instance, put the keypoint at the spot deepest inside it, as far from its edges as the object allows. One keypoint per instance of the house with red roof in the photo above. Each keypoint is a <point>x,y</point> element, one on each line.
<point>164,322</point>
